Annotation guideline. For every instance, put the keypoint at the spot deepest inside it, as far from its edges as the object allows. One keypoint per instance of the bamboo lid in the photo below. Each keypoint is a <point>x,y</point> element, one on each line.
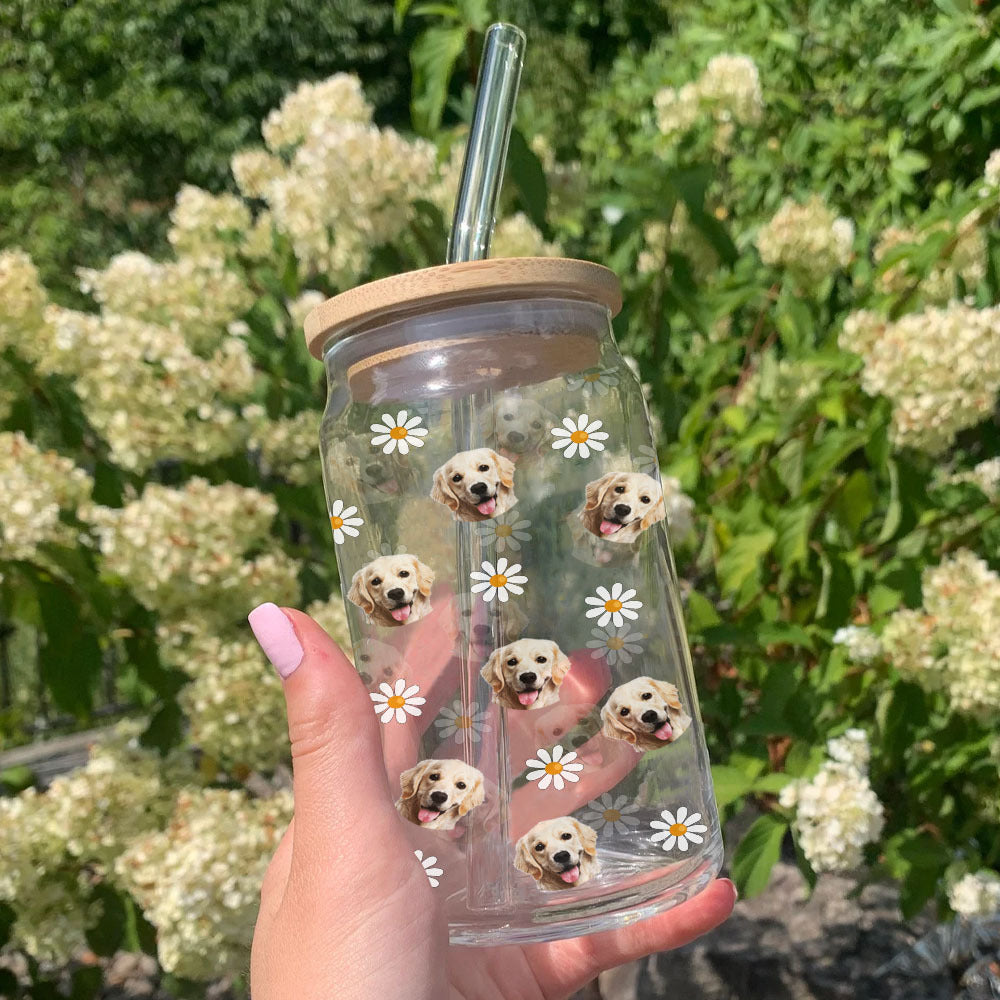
<point>504,278</point>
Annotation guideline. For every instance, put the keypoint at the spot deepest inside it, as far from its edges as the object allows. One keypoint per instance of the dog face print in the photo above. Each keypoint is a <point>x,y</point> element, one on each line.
<point>558,853</point>
<point>621,505</point>
<point>475,485</point>
<point>393,590</point>
<point>518,426</point>
<point>646,713</point>
<point>436,794</point>
<point>526,674</point>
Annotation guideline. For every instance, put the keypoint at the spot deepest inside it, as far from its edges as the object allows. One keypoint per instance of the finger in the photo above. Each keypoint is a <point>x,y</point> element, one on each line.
<point>564,966</point>
<point>338,777</point>
<point>272,888</point>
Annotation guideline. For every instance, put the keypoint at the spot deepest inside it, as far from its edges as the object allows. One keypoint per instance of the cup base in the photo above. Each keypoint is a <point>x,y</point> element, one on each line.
<point>608,911</point>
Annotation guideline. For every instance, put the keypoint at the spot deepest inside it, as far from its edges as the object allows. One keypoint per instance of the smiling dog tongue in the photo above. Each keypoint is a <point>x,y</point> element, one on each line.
<point>572,875</point>
<point>609,527</point>
<point>664,732</point>
<point>401,614</point>
<point>527,697</point>
<point>426,815</point>
<point>487,506</point>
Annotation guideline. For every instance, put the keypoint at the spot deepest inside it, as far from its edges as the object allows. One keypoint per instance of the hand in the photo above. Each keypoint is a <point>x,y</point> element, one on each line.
<point>346,910</point>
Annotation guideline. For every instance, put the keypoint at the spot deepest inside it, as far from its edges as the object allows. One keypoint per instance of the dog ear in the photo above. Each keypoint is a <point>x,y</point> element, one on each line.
<point>679,719</point>
<point>506,469</point>
<point>441,490</point>
<point>474,796</point>
<point>588,837</point>
<point>656,513</point>
<point>614,727</point>
<point>667,691</point>
<point>524,859</point>
<point>358,594</point>
<point>409,780</point>
<point>595,491</point>
<point>425,576</point>
<point>492,671</point>
<point>560,664</point>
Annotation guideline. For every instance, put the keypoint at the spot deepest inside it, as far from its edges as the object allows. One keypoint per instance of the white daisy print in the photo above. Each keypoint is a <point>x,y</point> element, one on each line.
<point>583,435</point>
<point>401,433</point>
<point>678,831</point>
<point>457,720</point>
<point>599,380</point>
<point>429,866</point>
<point>500,581</point>
<point>613,605</point>
<point>616,645</point>
<point>554,769</point>
<point>398,701</point>
<point>343,522</point>
<point>611,815</point>
<point>506,531</point>
<point>646,460</point>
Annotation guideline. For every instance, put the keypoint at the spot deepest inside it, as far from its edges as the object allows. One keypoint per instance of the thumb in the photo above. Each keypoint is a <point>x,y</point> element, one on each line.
<point>339,778</point>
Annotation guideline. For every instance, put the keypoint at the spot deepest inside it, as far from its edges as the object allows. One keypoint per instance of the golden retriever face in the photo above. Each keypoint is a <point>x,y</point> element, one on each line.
<point>527,673</point>
<point>519,425</point>
<point>558,853</point>
<point>475,485</point>
<point>646,713</point>
<point>393,590</point>
<point>436,794</point>
<point>621,505</point>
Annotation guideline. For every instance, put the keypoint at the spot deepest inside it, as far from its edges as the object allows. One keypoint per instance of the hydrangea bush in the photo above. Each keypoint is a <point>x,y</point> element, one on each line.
<point>817,338</point>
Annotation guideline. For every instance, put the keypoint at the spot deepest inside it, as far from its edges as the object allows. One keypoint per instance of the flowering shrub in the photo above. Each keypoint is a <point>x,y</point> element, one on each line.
<point>811,308</point>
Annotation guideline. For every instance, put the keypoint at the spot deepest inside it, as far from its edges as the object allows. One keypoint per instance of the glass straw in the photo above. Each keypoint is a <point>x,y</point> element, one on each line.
<point>486,150</point>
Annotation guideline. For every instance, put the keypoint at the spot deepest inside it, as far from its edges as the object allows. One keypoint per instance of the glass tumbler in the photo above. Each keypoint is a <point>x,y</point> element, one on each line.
<point>496,507</point>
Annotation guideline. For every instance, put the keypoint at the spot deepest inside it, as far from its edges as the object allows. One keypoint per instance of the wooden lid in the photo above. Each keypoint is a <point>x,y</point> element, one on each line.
<point>502,278</point>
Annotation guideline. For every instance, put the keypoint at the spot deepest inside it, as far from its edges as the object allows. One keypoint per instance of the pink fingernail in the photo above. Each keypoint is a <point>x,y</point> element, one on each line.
<point>277,638</point>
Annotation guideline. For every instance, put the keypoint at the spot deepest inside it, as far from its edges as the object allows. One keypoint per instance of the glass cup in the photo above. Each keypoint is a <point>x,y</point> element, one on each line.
<point>495,502</point>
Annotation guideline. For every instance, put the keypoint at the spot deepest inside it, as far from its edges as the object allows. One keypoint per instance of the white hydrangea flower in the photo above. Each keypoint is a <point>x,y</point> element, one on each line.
<point>35,486</point>
<point>991,172</point>
<point>985,475</point>
<point>807,239</point>
<point>677,109</point>
<point>23,298</point>
<point>254,169</point>
<point>198,881</point>
<point>300,307</point>
<point>952,644</point>
<point>205,225</point>
<point>517,236</point>
<point>966,259</point>
<point>681,236</point>
<point>311,106</point>
<point>182,549</point>
<point>859,642</point>
<point>836,814</point>
<point>976,894</point>
<point>852,749</point>
<point>289,447</point>
<point>940,369</point>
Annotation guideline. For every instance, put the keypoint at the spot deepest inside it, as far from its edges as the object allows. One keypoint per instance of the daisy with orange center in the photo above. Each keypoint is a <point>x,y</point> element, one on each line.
<point>399,434</point>
<point>343,522</point>
<point>397,702</point>
<point>610,815</point>
<point>613,605</point>
<point>581,435</point>
<point>554,769</point>
<point>460,722</point>
<point>680,830</point>
<point>499,581</point>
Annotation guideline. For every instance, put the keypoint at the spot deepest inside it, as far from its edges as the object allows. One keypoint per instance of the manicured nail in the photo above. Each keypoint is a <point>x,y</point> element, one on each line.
<point>729,882</point>
<point>277,638</point>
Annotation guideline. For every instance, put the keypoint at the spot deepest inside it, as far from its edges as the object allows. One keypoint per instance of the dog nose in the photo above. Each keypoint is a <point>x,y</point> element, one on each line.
<point>528,677</point>
<point>439,797</point>
<point>373,470</point>
<point>479,488</point>
<point>515,437</point>
<point>650,716</point>
<point>561,857</point>
<point>622,509</point>
<point>395,594</point>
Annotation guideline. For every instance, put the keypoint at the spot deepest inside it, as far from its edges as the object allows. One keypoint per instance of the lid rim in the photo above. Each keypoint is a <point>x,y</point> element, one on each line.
<point>580,279</point>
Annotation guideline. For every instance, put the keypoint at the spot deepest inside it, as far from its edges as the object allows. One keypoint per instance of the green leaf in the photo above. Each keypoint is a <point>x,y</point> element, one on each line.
<point>757,854</point>
<point>701,613</point>
<point>730,784</point>
<point>433,57</point>
<point>740,561</point>
<point>399,13</point>
<point>525,170</point>
<point>855,502</point>
<point>791,547</point>
<point>106,935</point>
